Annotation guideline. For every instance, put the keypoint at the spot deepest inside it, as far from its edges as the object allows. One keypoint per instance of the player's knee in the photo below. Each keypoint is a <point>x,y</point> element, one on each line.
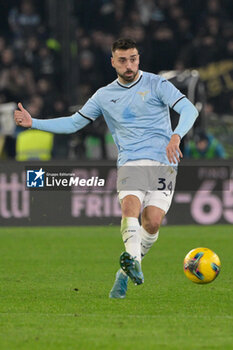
<point>152,226</point>
<point>130,206</point>
<point>152,218</point>
<point>151,223</point>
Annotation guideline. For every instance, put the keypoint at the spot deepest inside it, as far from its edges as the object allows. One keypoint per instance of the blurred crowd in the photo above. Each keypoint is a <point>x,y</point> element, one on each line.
<point>172,35</point>
<point>29,68</point>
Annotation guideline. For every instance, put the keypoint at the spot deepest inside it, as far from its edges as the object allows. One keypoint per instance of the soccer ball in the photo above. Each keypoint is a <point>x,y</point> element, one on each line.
<point>201,265</point>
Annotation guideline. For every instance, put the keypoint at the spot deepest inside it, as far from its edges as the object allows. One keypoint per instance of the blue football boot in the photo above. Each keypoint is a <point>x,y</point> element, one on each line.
<point>119,288</point>
<point>132,268</point>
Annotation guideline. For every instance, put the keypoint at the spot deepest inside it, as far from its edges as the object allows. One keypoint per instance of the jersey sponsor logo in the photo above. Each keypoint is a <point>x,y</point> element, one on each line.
<point>143,94</point>
<point>35,178</point>
<point>114,101</point>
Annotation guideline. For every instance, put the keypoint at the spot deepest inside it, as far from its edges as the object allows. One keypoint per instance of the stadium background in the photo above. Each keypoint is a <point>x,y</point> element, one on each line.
<point>55,280</point>
<point>54,54</point>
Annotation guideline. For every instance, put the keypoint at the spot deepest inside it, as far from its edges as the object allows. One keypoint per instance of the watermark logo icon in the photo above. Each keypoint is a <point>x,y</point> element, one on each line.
<point>35,178</point>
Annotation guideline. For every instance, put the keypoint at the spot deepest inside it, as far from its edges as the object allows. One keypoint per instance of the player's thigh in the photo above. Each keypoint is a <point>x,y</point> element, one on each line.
<point>162,194</point>
<point>152,218</point>
<point>130,205</point>
<point>131,181</point>
<point>156,205</point>
<point>159,199</point>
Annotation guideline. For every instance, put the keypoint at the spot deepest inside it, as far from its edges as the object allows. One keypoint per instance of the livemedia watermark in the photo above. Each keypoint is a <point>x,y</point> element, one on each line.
<point>105,179</point>
<point>42,178</point>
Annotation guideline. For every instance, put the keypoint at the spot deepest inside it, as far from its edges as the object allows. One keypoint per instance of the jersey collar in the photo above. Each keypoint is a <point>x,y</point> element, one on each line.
<point>128,86</point>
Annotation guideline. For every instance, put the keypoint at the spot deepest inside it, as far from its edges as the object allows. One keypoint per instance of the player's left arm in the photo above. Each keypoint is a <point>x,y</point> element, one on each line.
<point>172,97</point>
<point>188,114</point>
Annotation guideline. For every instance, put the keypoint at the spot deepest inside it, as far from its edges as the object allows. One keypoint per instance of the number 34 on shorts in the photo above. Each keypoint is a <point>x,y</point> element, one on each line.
<point>158,177</point>
<point>164,185</point>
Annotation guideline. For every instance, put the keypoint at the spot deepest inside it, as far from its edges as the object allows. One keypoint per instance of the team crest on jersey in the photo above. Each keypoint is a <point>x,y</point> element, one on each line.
<point>143,94</point>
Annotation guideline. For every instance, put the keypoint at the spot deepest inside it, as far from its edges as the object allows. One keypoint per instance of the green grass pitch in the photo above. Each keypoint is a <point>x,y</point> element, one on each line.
<point>55,284</point>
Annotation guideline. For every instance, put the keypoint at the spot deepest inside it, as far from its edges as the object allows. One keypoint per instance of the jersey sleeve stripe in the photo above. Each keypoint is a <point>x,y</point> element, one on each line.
<point>91,120</point>
<point>177,101</point>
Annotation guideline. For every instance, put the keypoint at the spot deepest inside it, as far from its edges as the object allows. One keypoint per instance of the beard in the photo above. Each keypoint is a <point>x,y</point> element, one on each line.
<point>128,76</point>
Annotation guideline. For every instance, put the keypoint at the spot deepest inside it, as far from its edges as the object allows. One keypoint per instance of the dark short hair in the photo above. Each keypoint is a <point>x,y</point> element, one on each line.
<point>124,44</point>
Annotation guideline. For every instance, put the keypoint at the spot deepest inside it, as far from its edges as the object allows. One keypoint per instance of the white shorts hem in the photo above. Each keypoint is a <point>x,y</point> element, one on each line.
<point>139,194</point>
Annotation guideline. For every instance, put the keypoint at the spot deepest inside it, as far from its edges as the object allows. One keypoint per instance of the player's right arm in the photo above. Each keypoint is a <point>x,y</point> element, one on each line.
<point>22,117</point>
<point>63,125</point>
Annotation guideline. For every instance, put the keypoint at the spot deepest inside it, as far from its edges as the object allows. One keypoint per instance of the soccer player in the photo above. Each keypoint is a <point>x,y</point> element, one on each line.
<point>136,109</point>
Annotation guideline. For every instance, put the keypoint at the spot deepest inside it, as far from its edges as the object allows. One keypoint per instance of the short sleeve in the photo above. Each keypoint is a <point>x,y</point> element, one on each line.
<point>91,110</point>
<point>168,93</point>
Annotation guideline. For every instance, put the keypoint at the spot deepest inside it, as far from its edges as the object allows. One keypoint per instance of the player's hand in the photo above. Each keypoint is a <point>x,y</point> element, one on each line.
<point>173,149</point>
<point>22,117</point>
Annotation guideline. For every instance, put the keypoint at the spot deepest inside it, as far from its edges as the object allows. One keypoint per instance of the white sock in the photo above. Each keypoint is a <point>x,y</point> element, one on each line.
<point>131,236</point>
<point>147,240</point>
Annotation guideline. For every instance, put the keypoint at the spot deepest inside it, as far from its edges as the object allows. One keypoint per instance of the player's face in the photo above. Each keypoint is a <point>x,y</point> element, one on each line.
<point>126,63</point>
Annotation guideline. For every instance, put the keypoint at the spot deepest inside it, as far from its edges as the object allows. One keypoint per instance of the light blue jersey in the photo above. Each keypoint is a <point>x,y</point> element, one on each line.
<point>137,116</point>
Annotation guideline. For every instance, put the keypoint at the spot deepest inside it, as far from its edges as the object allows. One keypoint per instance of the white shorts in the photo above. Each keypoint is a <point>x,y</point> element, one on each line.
<point>152,182</point>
